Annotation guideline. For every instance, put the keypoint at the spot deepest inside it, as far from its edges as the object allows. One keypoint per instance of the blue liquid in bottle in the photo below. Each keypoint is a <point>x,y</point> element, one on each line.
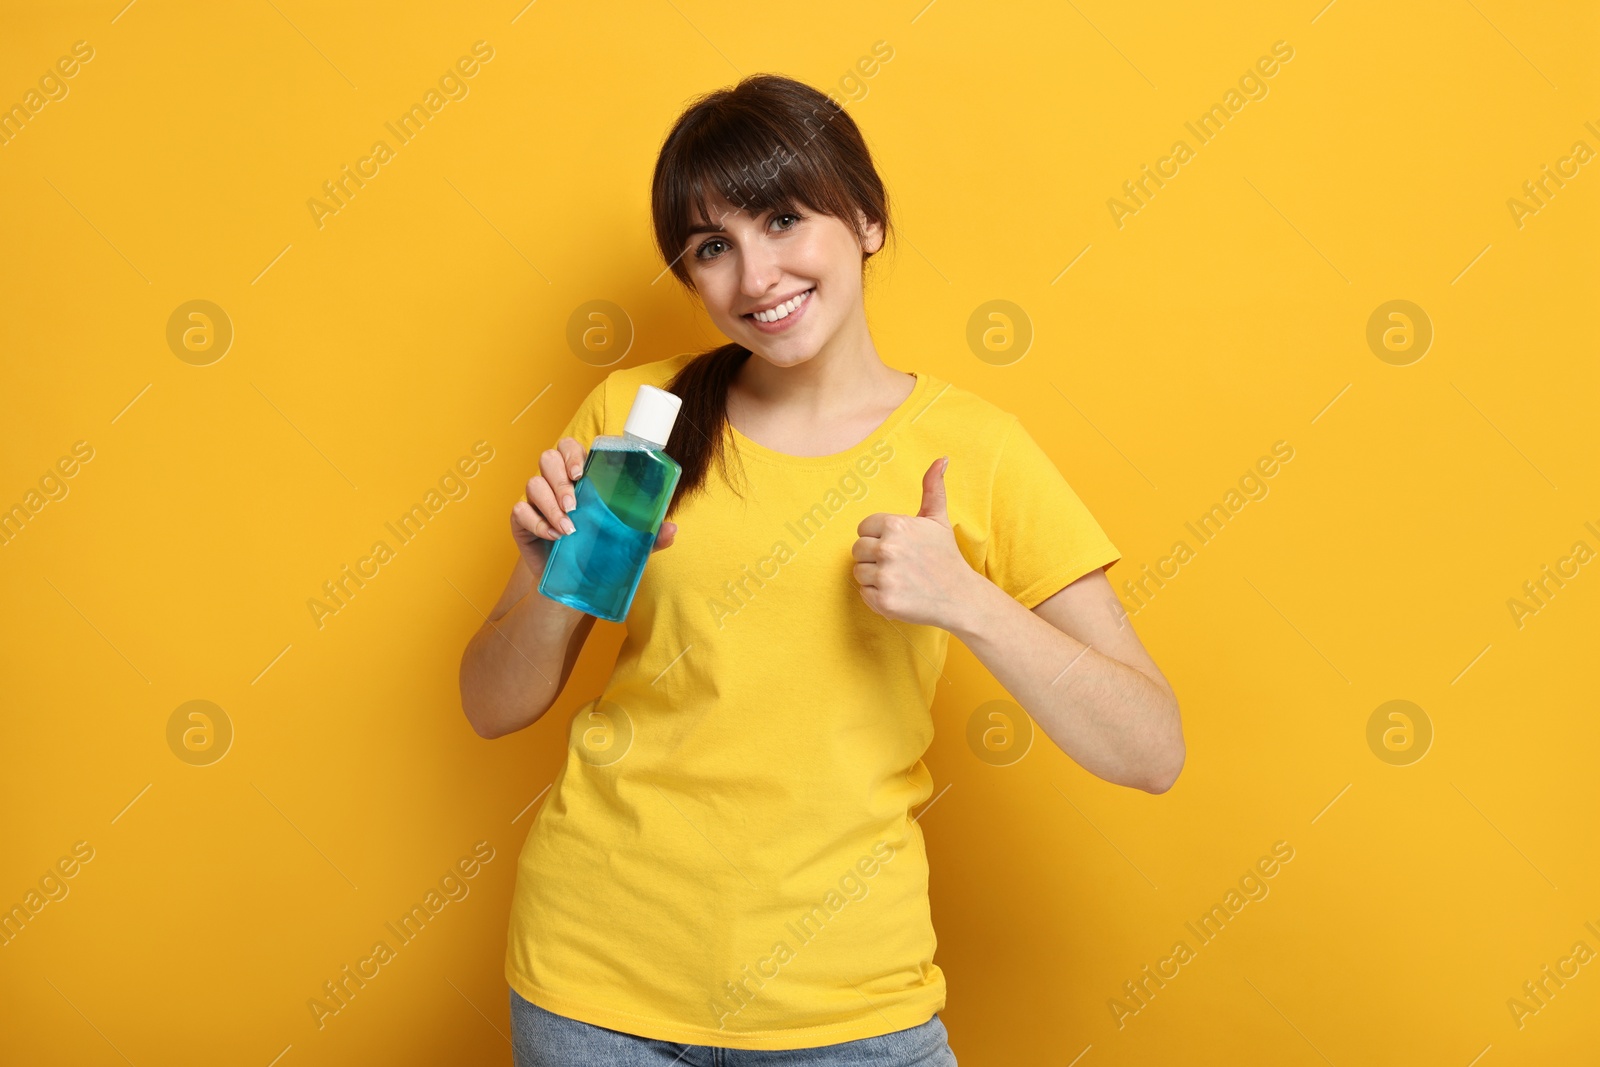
<point>621,499</point>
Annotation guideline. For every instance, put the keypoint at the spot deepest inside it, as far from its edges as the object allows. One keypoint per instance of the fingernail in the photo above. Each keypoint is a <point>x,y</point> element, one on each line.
<point>566,524</point>
<point>567,503</point>
<point>576,470</point>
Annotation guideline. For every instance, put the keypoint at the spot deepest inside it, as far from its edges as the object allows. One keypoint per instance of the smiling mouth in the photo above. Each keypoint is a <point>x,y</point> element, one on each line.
<point>783,310</point>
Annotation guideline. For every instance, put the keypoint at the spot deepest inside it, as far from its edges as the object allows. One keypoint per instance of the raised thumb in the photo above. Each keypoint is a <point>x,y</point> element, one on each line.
<point>933,499</point>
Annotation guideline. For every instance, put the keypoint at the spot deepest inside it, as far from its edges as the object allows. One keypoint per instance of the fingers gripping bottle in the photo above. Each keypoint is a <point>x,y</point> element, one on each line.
<point>622,498</point>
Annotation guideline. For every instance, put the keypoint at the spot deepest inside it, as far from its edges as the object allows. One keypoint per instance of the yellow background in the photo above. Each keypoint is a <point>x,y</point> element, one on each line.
<point>1229,313</point>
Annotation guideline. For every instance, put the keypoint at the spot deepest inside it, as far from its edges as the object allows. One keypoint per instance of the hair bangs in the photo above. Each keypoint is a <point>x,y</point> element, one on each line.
<point>757,160</point>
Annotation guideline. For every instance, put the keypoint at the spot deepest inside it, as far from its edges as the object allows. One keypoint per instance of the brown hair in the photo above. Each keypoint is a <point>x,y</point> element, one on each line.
<point>766,144</point>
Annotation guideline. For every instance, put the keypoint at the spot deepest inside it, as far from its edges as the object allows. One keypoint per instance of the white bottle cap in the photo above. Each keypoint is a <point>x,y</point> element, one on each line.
<point>653,413</point>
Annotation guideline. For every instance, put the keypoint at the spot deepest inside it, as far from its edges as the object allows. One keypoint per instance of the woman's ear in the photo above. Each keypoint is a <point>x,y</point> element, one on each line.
<point>871,234</point>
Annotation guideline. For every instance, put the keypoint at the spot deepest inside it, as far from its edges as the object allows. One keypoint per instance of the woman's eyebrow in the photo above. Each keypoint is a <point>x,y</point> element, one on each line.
<point>712,227</point>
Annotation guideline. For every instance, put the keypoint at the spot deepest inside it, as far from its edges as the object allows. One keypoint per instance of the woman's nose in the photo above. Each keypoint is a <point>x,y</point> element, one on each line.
<point>759,270</point>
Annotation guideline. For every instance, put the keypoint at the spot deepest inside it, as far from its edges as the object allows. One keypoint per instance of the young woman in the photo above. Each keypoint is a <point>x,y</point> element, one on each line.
<point>726,869</point>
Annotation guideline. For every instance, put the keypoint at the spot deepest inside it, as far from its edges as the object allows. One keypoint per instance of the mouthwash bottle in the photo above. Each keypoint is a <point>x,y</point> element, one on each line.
<point>622,497</point>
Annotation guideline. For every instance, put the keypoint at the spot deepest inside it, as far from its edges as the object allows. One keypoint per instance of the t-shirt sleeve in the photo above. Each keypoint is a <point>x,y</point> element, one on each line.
<point>1041,536</point>
<point>589,421</point>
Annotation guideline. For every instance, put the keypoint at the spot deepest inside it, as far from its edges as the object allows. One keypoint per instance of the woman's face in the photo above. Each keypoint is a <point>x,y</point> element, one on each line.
<point>741,265</point>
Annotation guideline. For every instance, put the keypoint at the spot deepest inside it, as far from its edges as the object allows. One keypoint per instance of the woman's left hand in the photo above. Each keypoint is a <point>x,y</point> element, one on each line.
<point>908,566</point>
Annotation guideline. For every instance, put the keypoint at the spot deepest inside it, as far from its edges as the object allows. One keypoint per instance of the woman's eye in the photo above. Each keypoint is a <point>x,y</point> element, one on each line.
<point>702,251</point>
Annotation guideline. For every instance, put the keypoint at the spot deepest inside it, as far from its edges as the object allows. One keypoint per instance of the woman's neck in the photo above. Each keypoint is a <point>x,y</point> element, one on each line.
<point>843,377</point>
<point>817,407</point>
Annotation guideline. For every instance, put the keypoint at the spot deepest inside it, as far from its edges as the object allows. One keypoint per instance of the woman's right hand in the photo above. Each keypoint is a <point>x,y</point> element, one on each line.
<point>542,517</point>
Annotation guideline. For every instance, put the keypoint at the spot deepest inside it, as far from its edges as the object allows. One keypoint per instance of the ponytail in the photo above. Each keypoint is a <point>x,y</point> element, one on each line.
<point>699,436</point>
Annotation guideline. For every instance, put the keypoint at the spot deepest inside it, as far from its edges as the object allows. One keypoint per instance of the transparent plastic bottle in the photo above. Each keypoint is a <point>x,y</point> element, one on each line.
<point>621,500</point>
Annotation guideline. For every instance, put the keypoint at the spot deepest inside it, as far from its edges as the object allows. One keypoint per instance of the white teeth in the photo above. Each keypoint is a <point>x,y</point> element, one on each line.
<point>782,311</point>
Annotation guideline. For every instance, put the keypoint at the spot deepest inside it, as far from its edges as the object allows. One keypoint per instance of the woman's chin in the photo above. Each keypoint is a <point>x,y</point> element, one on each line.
<point>783,355</point>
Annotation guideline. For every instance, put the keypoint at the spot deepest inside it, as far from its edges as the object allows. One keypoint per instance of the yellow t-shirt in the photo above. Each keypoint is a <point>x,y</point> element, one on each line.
<point>727,856</point>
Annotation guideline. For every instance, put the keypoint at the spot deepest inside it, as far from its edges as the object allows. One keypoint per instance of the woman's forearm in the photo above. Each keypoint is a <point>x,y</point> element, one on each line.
<point>517,663</point>
<point>1115,721</point>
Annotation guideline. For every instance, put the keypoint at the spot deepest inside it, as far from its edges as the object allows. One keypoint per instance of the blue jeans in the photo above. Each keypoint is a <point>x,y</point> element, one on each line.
<point>541,1038</point>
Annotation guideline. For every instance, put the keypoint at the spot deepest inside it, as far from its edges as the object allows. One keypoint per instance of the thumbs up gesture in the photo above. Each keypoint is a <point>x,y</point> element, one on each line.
<point>908,566</point>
